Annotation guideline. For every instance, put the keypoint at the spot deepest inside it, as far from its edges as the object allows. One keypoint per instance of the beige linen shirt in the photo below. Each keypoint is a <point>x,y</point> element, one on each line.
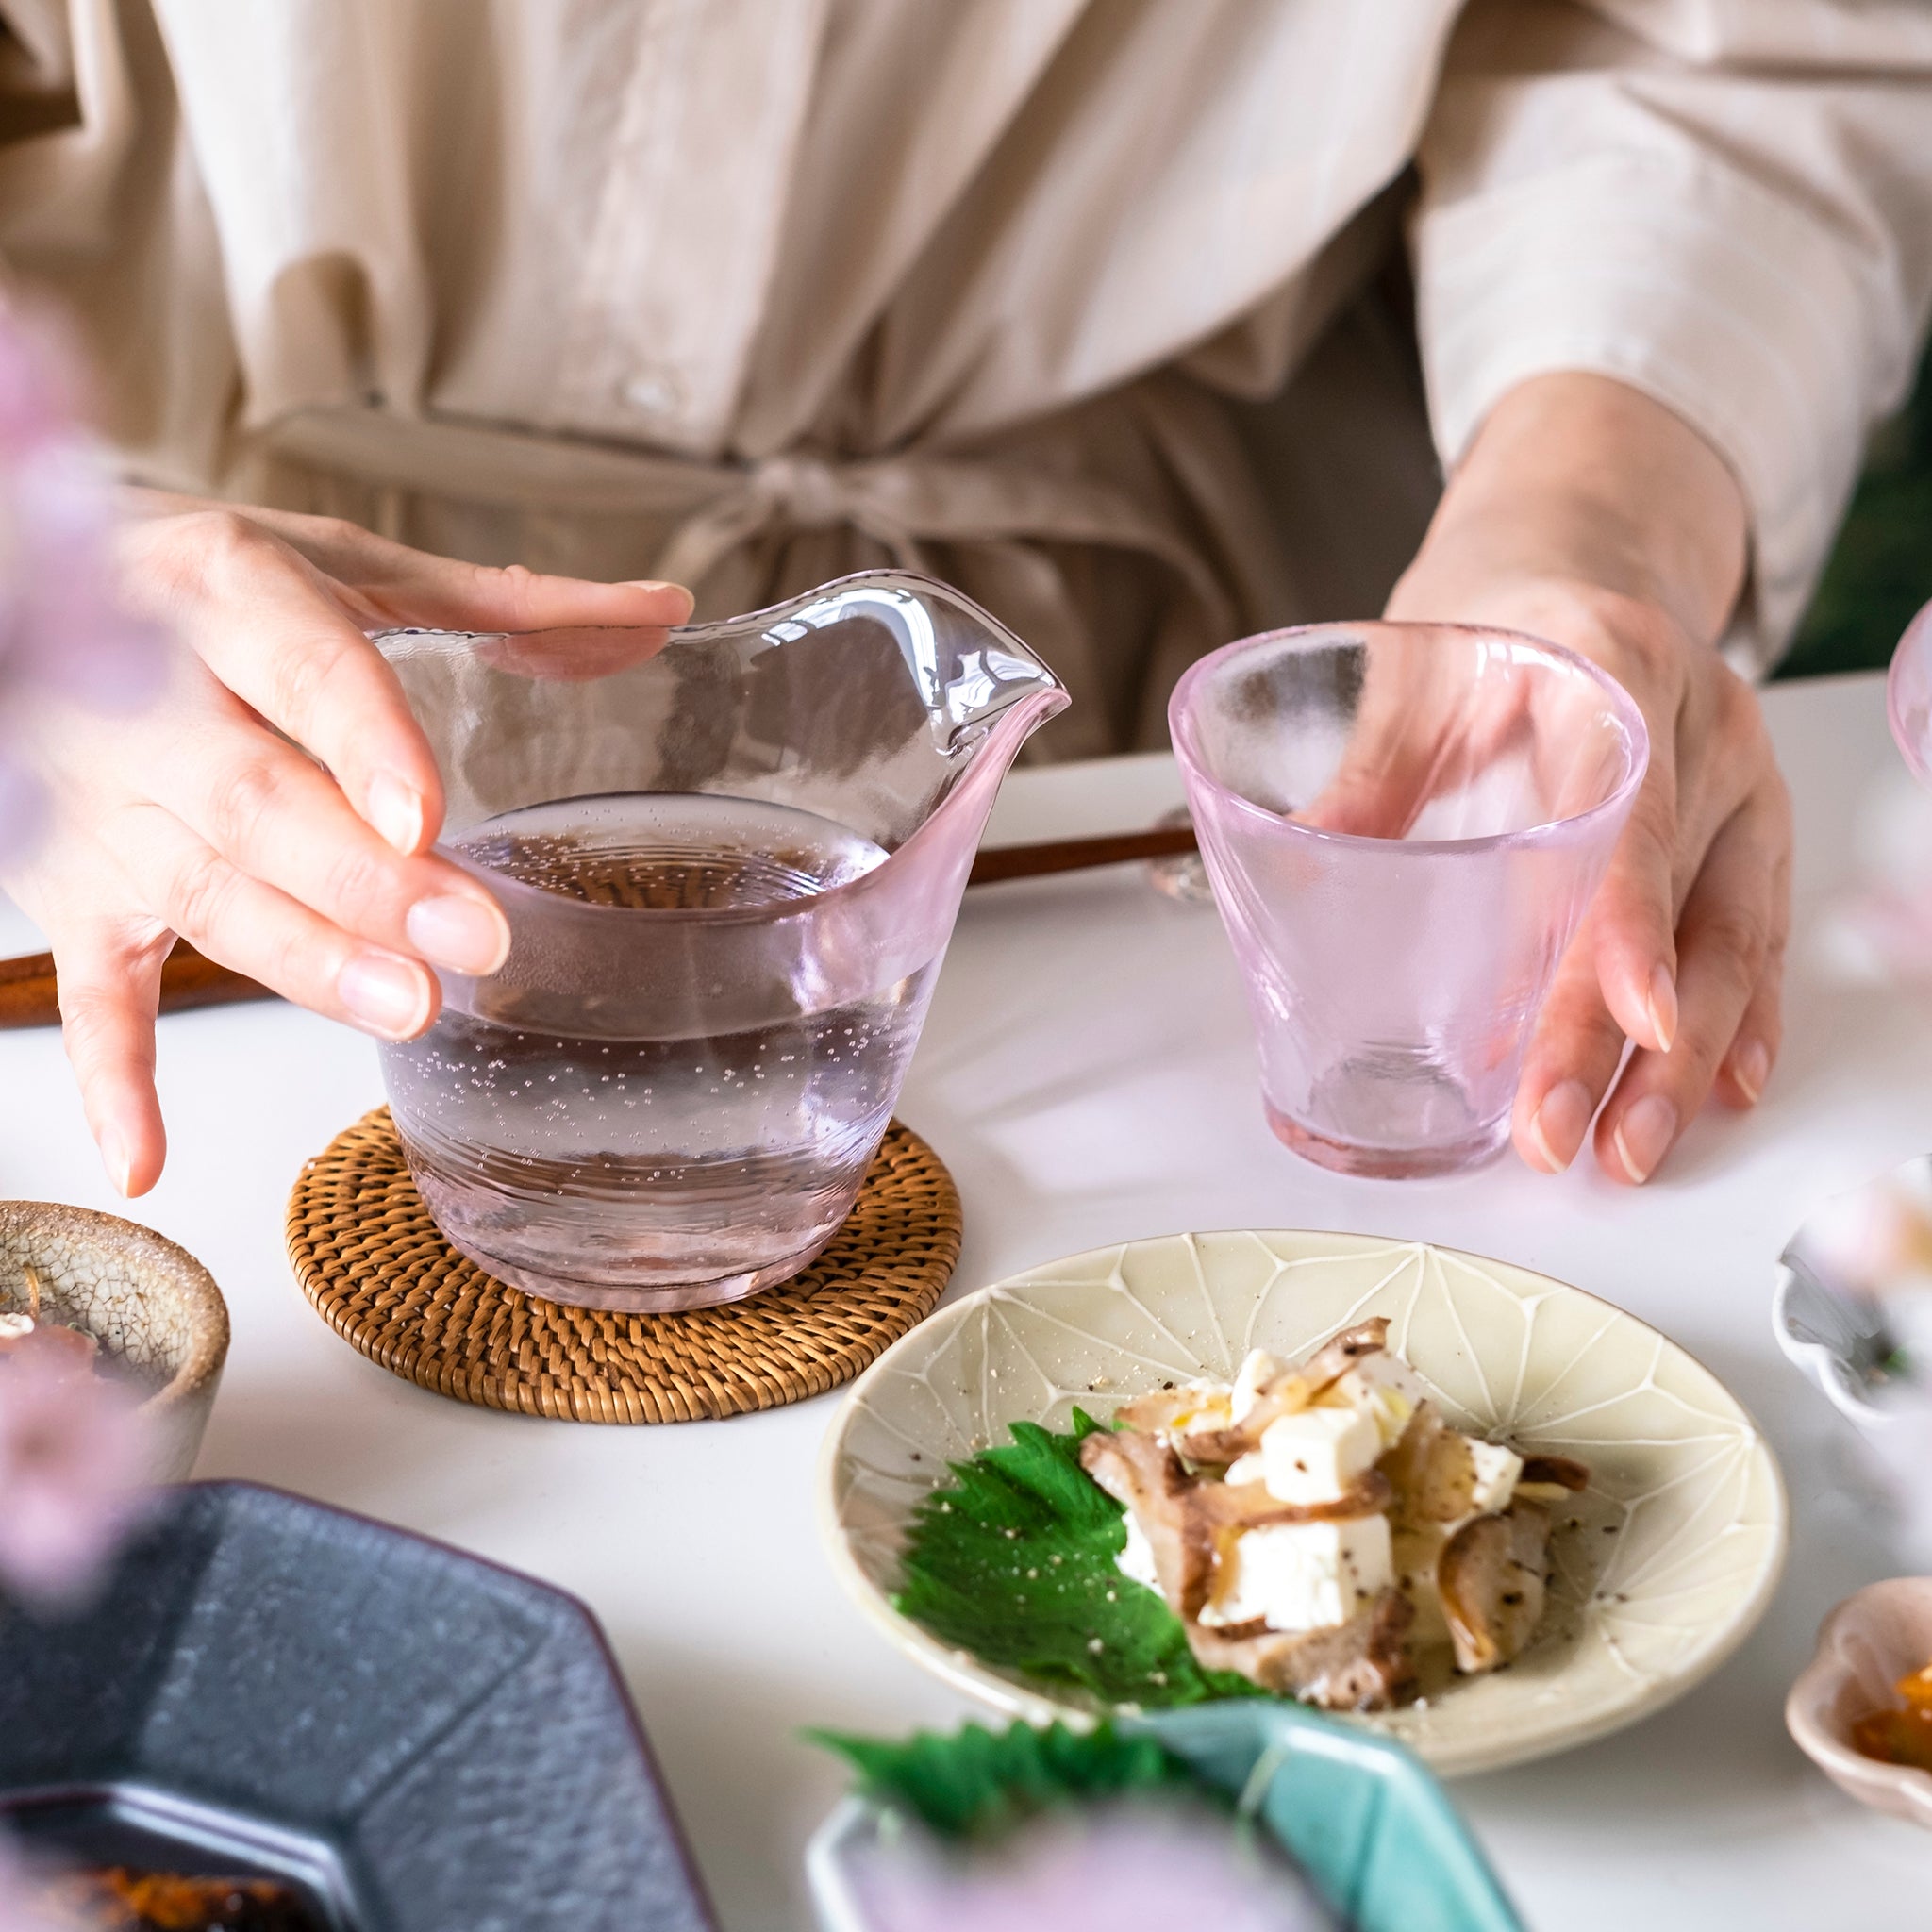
<point>749,293</point>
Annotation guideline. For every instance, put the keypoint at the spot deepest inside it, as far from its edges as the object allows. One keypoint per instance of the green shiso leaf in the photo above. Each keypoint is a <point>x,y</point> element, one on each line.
<point>977,1783</point>
<point>1014,1561</point>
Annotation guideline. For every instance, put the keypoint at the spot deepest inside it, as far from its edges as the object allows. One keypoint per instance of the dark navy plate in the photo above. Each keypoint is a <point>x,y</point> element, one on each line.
<point>414,1740</point>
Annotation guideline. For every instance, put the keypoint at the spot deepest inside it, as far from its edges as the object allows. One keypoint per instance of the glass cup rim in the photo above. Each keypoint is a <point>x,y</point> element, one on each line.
<point>1180,729</point>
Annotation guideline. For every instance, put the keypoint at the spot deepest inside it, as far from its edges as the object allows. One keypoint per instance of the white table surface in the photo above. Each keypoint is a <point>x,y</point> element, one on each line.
<point>1086,1073</point>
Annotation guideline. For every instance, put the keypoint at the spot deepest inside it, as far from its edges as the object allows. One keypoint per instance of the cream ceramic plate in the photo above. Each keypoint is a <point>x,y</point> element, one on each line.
<point>1663,1566</point>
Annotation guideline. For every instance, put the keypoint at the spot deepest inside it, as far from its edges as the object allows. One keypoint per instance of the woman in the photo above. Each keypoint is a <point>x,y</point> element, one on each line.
<point>743,293</point>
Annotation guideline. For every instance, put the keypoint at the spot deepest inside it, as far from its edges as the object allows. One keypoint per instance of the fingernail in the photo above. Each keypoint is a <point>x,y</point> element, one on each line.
<point>1662,1008</point>
<point>396,811</point>
<point>1751,1069</point>
<point>659,584</point>
<point>1558,1125</point>
<point>385,995</point>
<point>1643,1136</point>
<point>117,1160</point>
<point>465,934</point>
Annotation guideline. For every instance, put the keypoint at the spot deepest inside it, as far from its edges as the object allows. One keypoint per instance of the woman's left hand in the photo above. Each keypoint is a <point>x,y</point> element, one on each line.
<point>1591,516</point>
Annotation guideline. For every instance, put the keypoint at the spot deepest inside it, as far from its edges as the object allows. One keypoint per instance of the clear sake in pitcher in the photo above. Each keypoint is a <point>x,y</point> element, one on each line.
<point>730,855</point>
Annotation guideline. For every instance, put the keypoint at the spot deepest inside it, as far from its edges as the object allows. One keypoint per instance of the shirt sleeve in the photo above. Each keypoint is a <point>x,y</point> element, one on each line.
<point>1728,208</point>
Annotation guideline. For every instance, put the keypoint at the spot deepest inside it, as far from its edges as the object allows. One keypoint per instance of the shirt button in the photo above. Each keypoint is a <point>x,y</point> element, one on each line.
<point>654,391</point>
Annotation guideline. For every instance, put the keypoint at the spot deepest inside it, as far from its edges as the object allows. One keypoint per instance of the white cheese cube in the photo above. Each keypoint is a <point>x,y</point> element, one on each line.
<point>1385,1387</point>
<point>1245,1469</point>
<point>1136,1563</point>
<point>1317,1455</point>
<point>1255,1374</point>
<point>1301,1575</point>
<point>1496,1469</point>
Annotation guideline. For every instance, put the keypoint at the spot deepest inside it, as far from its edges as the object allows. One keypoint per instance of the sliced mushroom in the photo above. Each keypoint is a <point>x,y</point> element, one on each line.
<point>1142,1475</point>
<point>1159,1411</point>
<point>1564,1473</point>
<point>1360,1665</point>
<point>1286,1394</point>
<point>1187,1522</point>
<point>1249,1506</point>
<point>1490,1575</point>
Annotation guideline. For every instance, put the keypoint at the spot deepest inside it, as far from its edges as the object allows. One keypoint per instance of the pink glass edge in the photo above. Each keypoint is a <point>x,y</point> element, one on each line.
<point>1908,662</point>
<point>1179,723</point>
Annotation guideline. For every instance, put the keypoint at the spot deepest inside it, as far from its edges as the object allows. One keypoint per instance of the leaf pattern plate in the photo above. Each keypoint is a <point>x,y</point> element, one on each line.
<point>1662,1565</point>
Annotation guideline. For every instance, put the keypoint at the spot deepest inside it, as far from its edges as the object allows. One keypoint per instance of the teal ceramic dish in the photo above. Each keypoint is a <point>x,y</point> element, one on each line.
<point>1364,1819</point>
<point>1358,1813</point>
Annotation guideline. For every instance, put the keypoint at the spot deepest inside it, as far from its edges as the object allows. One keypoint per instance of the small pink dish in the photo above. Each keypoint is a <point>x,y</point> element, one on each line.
<point>1875,1637</point>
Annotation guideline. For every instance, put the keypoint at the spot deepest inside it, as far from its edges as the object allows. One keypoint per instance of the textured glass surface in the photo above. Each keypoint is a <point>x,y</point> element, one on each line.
<point>730,855</point>
<point>1909,696</point>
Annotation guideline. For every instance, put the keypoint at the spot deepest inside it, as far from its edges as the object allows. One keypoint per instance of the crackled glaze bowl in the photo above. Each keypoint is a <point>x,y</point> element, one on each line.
<point>153,1307</point>
<point>1663,1566</point>
<point>1871,1640</point>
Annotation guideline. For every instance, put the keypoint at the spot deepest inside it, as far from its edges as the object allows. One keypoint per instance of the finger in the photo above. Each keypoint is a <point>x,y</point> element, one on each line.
<point>1633,917</point>
<point>243,923</point>
<point>281,819</point>
<point>265,623</point>
<point>1421,729</point>
<point>1746,1068</point>
<point>420,589</point>
<point>1400,743</point>
<point>1725,941</point>
<point>1571,1060</point>
<point>404,586</point>
<point>110,983</point>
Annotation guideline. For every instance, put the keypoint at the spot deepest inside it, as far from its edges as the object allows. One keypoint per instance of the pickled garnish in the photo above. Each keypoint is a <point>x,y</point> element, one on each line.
<point>119,1899</point>
<point>1916,1690</point>
<point>1901,1735</point>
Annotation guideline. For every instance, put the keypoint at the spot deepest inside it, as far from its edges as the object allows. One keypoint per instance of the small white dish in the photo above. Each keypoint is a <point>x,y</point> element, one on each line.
<point>1662,1567</point>
<point>1838,1282</point>
<point>1871,1640</point>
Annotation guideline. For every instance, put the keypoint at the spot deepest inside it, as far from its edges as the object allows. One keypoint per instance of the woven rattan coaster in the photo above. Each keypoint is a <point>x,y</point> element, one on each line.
<point>371,1260</point>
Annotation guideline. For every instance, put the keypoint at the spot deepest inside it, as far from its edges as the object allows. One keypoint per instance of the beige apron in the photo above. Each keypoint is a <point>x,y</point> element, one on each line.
<point>752,292</point>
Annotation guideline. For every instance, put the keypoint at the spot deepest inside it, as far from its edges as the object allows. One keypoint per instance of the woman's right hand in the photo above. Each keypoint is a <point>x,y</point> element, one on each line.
<point>275,806</point>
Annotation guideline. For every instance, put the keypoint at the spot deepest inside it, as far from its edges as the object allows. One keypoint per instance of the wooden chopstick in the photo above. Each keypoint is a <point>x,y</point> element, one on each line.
<point>29,995</point>
<point>1002,862</point>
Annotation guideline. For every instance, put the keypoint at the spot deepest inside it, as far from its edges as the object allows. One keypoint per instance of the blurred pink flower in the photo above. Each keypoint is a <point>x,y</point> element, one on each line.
<point>19,1910</point>
<point>1127,1869</point>
<point>74,1453</point>
<point>63,631</point>
<point>1876,1240</point>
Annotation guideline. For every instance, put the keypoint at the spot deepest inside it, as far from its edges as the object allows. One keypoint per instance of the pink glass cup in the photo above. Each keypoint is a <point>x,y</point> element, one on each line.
<point>1403,824</point>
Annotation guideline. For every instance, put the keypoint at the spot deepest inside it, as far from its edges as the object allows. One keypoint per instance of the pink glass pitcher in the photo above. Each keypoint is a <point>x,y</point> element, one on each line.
<point>730,855</point>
